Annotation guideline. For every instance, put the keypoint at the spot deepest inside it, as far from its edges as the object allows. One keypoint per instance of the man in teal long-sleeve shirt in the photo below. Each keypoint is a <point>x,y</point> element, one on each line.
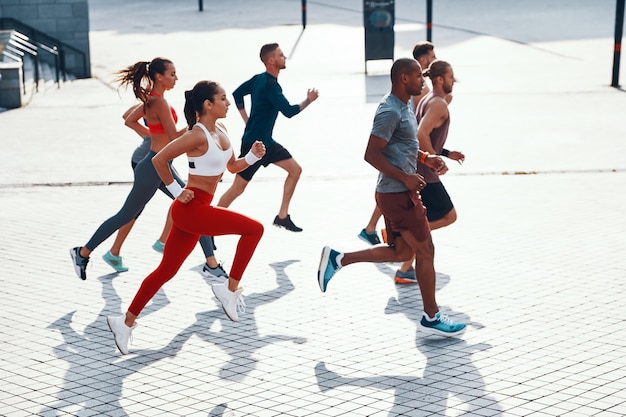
<point>267,101</point>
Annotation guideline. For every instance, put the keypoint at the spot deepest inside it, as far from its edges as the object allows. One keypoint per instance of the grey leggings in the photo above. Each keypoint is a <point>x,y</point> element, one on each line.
<point>145,185</point>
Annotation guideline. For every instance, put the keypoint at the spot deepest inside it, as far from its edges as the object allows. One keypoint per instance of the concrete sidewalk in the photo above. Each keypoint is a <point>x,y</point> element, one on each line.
<point>535,263</point>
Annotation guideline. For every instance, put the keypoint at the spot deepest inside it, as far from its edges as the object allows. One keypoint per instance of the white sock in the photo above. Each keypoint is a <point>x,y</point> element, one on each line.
<point>430,318</point>
<point>338,259</point>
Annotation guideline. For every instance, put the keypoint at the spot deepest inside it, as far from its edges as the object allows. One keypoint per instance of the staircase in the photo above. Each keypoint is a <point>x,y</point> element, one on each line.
<point>30,60</point>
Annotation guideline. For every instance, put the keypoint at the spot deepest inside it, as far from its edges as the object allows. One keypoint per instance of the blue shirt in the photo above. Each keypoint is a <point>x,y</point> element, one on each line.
<point>395,122</point>
<point>267,100</point>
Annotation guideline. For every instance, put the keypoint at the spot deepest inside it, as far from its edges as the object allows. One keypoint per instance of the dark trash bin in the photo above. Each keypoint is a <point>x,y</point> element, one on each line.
<point>378,20</point>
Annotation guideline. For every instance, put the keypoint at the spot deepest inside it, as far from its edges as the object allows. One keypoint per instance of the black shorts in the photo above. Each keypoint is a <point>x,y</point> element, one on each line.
<point>436,200</point>
<point>273,154</point>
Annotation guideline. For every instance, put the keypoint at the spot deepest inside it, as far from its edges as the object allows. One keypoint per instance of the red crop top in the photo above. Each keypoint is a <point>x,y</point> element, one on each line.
<point>157,128</point>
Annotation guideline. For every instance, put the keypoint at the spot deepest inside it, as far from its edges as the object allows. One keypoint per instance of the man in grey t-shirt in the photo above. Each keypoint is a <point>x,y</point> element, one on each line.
<point>394,151</point>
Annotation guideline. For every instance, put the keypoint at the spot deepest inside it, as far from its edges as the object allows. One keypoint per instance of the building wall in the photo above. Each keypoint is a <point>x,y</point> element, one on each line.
<point>65,20</point>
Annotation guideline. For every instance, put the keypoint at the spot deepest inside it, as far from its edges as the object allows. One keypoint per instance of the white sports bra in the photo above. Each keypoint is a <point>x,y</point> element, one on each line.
<point>214,161</point>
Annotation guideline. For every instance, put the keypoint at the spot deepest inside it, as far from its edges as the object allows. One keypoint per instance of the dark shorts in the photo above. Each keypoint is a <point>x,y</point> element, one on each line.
<point>403,211</point>
<point>273,154</point>
<point>437,201</point>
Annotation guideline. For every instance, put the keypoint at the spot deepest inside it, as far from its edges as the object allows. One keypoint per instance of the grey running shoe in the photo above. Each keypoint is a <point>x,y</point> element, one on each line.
<point>217,272</point>
<point>80,263</point>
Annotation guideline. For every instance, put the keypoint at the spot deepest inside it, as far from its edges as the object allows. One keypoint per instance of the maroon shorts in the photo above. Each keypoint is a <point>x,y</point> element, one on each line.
<point>403,211</point>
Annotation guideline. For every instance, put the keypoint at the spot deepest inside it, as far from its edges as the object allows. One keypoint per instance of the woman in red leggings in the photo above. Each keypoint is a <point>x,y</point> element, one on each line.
<point>209,153</point>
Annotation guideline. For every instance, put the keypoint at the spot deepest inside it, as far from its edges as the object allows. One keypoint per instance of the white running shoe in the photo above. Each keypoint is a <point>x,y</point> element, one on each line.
<point>232,302</point>
<point>121,332</point>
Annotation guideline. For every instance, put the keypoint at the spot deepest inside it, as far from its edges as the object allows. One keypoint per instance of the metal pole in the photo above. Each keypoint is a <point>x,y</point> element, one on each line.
<point>429,20</point>
<point>619,27</point>
<point>303,14</point>
<point>200,5</point>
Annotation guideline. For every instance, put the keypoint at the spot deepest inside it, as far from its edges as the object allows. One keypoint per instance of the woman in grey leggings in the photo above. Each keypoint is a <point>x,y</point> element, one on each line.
<point>112,257</point>
<point>149,80</point>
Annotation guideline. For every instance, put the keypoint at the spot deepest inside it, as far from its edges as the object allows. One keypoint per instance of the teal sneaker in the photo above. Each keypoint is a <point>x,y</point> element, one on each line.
<point>440,325</point>
<point>328,267</point>
<point>115,262</point>
<point>159,246</point>
<point>371,238</point>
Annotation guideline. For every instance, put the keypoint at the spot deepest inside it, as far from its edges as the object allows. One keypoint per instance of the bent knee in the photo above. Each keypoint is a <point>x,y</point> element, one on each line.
<point>451,216</point>
<point>425,250</point>
<point>403,255</point>
<point>257,229</point>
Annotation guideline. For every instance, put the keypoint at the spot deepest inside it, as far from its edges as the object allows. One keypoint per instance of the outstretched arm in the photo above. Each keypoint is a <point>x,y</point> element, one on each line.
<point>311,95</point>
<point>239,164</point>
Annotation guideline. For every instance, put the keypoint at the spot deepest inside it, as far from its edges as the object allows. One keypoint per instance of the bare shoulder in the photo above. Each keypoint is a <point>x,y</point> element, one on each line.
<point>438,105</point>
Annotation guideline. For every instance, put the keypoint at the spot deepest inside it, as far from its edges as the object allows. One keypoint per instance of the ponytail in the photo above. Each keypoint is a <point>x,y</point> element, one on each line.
<point>436,69</point>
<point>189,110</point>
<point>141,76</point>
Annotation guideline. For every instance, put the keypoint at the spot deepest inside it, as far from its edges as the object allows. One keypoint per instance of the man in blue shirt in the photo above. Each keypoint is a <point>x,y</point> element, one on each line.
<point>267,101</point>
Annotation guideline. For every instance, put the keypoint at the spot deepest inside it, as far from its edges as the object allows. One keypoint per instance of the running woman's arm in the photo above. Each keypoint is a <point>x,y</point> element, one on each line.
<point>257,151</point>
<point>189,141</point>
<point>132,117</point>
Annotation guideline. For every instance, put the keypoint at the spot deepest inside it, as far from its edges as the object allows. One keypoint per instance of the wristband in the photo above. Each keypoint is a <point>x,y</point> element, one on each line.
<point>251,158</point>
<point>175,189</point>
<point>423,157</point>
<point>445,152</point>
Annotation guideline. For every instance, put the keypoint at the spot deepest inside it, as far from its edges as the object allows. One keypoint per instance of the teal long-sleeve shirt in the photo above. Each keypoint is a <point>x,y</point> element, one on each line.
<point>267,100</point>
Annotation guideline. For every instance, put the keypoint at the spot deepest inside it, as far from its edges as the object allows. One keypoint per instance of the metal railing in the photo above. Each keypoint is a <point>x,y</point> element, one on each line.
<point>48,44</point>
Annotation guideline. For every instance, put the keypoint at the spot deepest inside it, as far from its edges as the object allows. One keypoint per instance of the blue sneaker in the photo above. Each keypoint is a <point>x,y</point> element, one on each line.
<point>159,246</point>
<point>217,272</point>
<point>80,263</point>
<point>441,325</point>
<point>328,267</point>
<point>114,262</point>
<point>371,238</point>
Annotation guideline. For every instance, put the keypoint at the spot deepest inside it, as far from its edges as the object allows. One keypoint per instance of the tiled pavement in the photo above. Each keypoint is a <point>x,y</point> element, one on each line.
<point>534,264</point>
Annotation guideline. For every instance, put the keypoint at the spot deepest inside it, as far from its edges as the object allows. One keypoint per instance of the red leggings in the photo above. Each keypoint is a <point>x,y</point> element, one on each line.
<point>192,220</point>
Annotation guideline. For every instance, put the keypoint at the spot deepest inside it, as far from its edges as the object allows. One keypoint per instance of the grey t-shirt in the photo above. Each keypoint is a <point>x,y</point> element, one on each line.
<point>395,122</point>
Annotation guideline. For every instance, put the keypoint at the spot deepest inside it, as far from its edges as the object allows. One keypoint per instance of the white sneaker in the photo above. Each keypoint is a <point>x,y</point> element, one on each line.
<point>121,332</point>
<point>232,302</point>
